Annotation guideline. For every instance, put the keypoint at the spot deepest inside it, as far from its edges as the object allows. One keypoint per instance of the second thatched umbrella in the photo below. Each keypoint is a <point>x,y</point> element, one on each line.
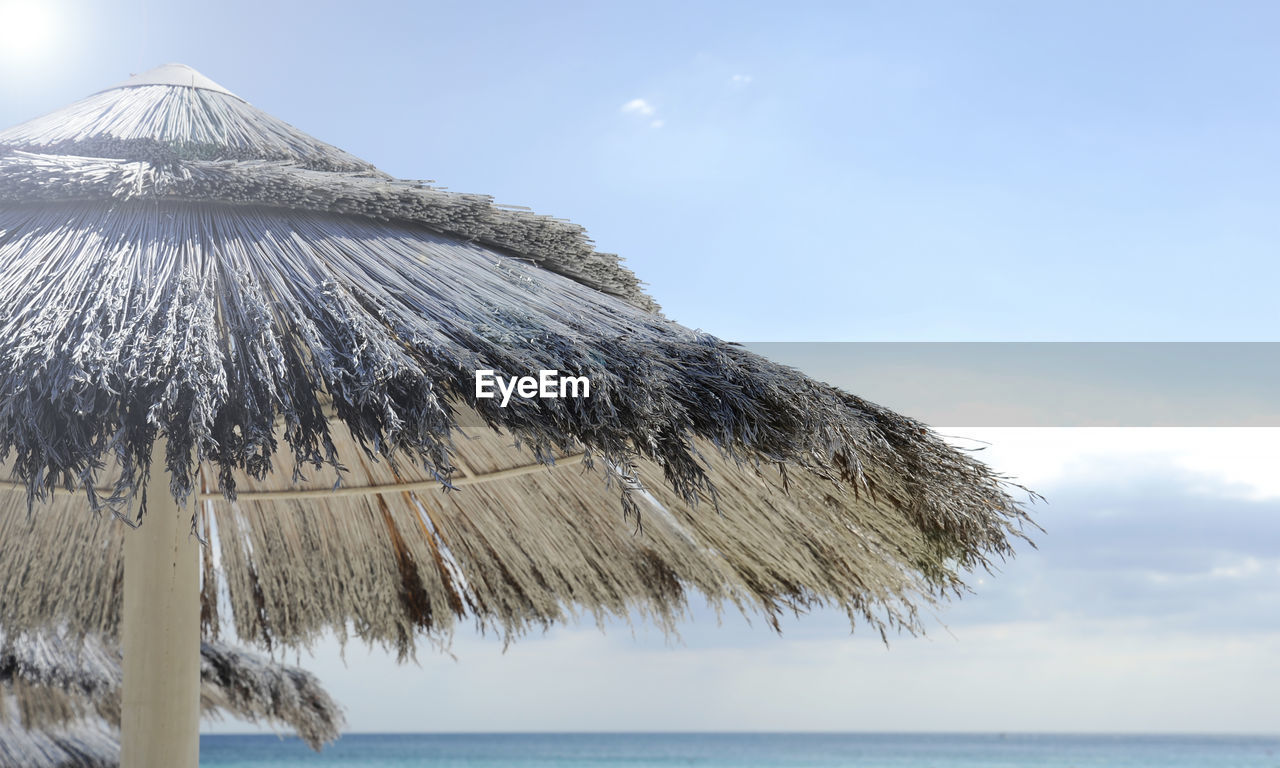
<point>179,269</point>
<point>57,692</point>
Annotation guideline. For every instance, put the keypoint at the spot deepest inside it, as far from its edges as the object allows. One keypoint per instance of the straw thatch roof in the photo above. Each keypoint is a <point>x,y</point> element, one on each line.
<point>175,262</point>
<point>57,685</point>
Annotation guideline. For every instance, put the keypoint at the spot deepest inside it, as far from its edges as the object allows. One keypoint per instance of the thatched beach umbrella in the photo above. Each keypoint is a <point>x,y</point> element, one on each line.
<point>57,685</point>
<point>213,320</point>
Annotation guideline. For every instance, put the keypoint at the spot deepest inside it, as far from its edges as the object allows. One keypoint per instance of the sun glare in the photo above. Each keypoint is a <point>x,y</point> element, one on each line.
<point>27,28</point>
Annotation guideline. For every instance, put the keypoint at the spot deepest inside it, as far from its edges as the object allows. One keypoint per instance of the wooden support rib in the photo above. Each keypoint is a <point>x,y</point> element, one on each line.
<point>368,490</point>
<point>419,485</point>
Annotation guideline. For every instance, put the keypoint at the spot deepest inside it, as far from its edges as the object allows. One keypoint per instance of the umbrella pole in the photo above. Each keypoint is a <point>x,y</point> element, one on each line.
<point>160,714</point>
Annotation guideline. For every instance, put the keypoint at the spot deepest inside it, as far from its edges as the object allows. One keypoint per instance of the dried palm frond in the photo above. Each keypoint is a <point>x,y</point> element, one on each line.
<point>50,682</point>
<point>554,244</point>
<point>80,744</point>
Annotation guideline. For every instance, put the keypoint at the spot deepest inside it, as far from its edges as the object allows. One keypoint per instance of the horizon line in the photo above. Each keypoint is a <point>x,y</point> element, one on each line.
<point>1002,734</point>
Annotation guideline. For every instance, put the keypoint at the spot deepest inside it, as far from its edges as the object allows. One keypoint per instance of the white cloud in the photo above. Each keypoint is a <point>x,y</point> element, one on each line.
<point>638,107</point>
<point>740,80</point>
<point>642,108</point>
<point>1242,457</point>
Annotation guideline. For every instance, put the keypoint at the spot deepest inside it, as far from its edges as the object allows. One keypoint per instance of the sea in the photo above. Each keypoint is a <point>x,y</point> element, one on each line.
<point>745,750</point>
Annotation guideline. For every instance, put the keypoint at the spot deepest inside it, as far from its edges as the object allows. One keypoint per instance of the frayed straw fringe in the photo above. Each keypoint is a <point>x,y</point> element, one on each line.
<point>80,744</point>
<point>53,681</point>
<point>250,687</point>
<point>511,551</point>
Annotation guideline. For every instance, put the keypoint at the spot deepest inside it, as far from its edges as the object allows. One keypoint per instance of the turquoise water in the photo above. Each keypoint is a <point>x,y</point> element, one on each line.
<point>745,751</point>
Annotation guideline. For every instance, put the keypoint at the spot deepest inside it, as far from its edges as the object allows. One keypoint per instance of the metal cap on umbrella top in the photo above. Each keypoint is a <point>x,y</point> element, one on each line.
<point>303,334</point>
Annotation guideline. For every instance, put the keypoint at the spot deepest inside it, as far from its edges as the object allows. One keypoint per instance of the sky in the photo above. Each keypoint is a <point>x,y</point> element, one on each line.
<point>853,171</point>
<point>850,171</point>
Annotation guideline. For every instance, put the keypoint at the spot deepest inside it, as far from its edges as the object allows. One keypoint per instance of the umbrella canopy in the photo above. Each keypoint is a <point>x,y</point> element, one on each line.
<point>55,688</point>
<point>305,334</point>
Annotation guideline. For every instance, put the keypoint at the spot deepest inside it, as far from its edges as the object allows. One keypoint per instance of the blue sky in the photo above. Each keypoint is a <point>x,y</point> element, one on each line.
<point>860,171</point>
<point>844,171</point>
